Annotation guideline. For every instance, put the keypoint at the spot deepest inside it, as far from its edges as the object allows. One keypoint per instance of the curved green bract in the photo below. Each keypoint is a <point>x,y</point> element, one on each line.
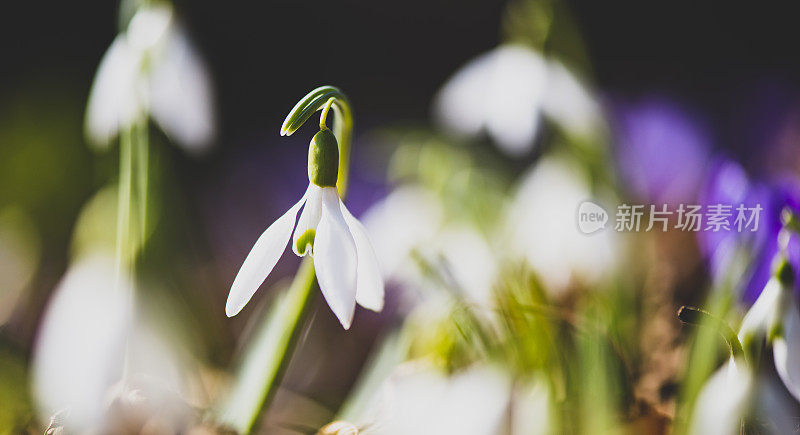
<point>309,104</point>
<point>342,124</point>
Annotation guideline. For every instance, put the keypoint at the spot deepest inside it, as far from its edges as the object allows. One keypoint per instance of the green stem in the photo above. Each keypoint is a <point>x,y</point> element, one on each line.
<point>343,128</point>
<point>124,192</point>
<point>323,117</point>
<point>126,246</point>
<point>696,316</point>
<point>142,171</point>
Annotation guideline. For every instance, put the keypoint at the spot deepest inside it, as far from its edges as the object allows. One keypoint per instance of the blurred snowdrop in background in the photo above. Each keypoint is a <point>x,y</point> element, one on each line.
<point>507,92</point>
<point>152,68</point>
<point>81,344</point>
<point>541,227</point>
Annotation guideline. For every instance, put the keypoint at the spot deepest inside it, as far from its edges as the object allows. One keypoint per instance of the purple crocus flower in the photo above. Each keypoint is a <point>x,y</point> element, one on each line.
<point>728,184</point>
<point>662,150</point>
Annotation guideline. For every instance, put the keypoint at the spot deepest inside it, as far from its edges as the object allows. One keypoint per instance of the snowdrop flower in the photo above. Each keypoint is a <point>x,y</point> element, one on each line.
<point>418,398</point>
<point>410,221</point>
<point>723,401</point>
<point>81,344</point>
<point>774,317</point>
<point>402,221</point>
<point>504,92</point>
<point>734,394</point>
<point>345,262</point>
<point>541,227</point>
<point>152,68</point>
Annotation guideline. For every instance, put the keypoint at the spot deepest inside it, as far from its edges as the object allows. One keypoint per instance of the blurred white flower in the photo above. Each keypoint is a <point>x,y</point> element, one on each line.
<point>530,409</point>
<point>505,91</point>
<point>786,351</point>
<point>722,402</point>
<point>468,258</point>
<point>344,260</point>
<point>734,394</point>
<point>81,347</point>
<point>542,227</point>
<point>410,221</point>
<point>774,317</point>
<point>152,68</point>
<point>420,399</point>
<point>407,218</point>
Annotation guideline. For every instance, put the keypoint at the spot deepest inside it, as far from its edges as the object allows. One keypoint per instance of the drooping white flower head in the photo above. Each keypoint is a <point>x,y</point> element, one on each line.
<point>774,317</point>
<point>81,344</point>
<point>722,402</point>
<point>734,394</point>
<point>79,348</point>
<point>344,260</point>
<point>152,68</point>
<point>505,91</point>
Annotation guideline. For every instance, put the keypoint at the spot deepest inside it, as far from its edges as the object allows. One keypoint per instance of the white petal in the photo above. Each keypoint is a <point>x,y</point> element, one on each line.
<point>501,91</point>
<point>78,352</point>
<point>369,282</point>
<point>419,399</point>
<point>407,218</point>
<point>762,314</point>
<point>568,102</point>
<point>530,412</point>
<point>181,99</point>
<point>516,91</point>
<point>458,105</point>
<point>786,351</point>
<point>775,409</point>
<point>261,259</point>
<point>722,401</point>
<point>335,259</point>
<point>149,26</point>
<point>309,218</point>
<point>113,102</point>
<point>540,227</point>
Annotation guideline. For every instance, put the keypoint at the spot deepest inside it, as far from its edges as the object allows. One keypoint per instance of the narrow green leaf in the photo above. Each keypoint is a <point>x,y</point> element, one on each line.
<point>269,354</point>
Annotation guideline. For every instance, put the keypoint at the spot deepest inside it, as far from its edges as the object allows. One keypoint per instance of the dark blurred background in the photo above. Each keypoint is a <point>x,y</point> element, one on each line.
<point>392,56</point>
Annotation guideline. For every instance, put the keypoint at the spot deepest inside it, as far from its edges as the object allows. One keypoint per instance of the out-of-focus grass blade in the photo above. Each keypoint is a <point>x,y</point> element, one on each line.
<point>16,410</point>
<point>266,359</point>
